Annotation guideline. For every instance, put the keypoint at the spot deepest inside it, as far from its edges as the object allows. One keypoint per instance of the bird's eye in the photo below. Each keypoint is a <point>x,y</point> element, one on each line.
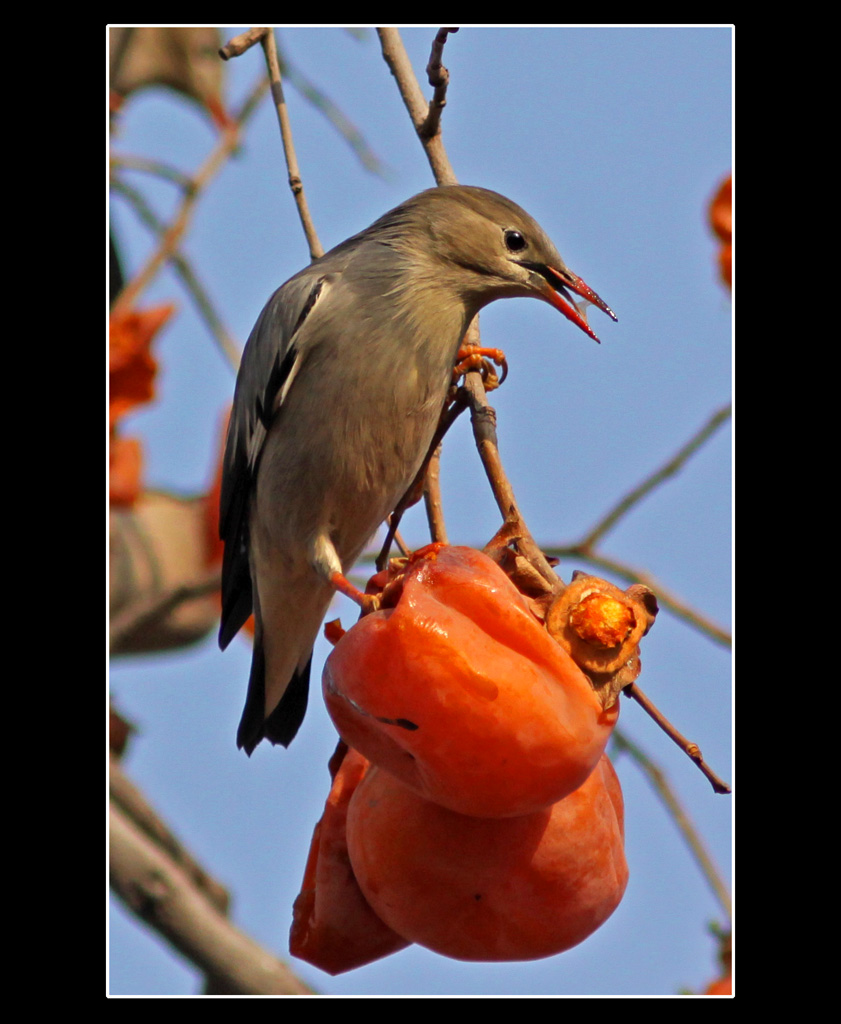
<point>515,241</point>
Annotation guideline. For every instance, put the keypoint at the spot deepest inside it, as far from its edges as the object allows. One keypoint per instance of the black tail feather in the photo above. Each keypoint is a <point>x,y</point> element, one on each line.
<point>284,722</point>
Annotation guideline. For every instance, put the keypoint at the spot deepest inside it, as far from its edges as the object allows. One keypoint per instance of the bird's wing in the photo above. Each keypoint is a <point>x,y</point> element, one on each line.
<point>270,363</point>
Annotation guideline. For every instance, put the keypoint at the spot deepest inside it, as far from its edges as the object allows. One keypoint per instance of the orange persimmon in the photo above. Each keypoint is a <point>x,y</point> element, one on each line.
<point>333,926</point>
<point>460,692</point>
<point>490,888</point>
<point>721,219</point>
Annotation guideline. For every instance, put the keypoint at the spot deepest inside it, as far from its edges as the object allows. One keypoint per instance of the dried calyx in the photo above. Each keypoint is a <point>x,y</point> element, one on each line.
<point>600,627</point>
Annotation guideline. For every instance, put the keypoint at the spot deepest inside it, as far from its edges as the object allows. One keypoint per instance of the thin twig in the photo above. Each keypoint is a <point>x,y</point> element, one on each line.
<point>395,56</point>
<point>657,777</point>
<point>252,100</point>
<point>227,144</point>
<point>204,305</point>
<point>295,183</point>
<point>483,418</point>
<point>158,168</point>
<point>691,749</point>
<point>432,499</point>
<point>349,132</point>
<point>675,463</point>
<point>239,44</point>
<point>439,79</point>
<point>402,546</point>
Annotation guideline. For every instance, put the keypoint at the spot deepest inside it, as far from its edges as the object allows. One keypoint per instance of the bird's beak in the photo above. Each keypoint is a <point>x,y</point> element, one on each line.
<point>555,292</point>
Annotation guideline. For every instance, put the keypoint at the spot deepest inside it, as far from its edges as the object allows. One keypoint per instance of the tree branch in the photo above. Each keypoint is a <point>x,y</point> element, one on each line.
<point>322,102</point>
<point>439,79</point>
<point>133,804</point>
<point>157,889</point>
<point>483,418</point>
<point>148,610</point>
<point>227,346</point>
<point>270,49</point>
<point>672,466</point>
<point>584,549</point>
<point>237,46</point>
<point>173,234</point>
<point>432,499</point>
<point>395,56</point>
<point>657,777</point>
<point>692,750</point>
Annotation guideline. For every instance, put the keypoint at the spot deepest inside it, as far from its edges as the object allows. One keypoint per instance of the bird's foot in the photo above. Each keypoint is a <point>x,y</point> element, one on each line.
<point>475,357</point>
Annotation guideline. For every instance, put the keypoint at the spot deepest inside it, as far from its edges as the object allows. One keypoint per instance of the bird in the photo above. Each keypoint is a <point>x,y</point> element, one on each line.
<point>340,390</point>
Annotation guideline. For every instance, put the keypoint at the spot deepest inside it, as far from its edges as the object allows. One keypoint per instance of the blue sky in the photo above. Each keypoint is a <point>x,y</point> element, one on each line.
<point>614,139</point>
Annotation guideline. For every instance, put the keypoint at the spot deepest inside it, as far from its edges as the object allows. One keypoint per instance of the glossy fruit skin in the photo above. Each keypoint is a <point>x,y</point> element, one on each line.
<point>490,889</point>
<point>333,926</point>
<point>460,692</point>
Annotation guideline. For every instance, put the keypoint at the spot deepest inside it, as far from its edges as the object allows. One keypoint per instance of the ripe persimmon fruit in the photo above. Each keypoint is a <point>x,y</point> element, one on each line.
<point>333,926</point>
<point>459,691</point>
<point>515,888</point>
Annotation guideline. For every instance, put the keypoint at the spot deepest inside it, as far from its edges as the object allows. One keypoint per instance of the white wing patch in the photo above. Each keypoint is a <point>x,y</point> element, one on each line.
<point>325,286</point>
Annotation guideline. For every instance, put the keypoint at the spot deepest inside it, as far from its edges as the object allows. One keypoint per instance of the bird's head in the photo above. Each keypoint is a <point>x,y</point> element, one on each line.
<point>490,248</point>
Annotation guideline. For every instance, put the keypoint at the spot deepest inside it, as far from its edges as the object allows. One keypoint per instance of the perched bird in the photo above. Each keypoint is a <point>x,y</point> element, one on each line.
<point>340,390</point>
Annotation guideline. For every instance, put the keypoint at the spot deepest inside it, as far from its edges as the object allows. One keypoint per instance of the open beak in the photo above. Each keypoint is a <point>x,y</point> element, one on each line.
<point>559,284</point>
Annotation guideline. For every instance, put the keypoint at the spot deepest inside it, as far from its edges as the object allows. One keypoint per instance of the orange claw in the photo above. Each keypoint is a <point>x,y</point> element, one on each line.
<point>471,357</point>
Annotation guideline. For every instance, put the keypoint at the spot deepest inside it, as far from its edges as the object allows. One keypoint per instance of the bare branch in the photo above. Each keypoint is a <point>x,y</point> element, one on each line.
<point>239,44</point>
<point>131,801</point>
<point>689,748</point>
<point>402,546</point>
<point>657,778</point>
<point>439,79</point>
<point>432,499</point>
<point>295,183</point>
<point>394,54</point>
<point>227,144</point>
<point>349,132</point>
<point>158,890</point>
<point>205,307</point>
<point>483,417</point>
<point>147,611</point>
<point>675,463</point>
<point>155,167</point>
<point>415,489</point>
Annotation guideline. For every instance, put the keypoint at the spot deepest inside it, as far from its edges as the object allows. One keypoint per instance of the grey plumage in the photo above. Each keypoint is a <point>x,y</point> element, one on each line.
<point>340,390</point>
